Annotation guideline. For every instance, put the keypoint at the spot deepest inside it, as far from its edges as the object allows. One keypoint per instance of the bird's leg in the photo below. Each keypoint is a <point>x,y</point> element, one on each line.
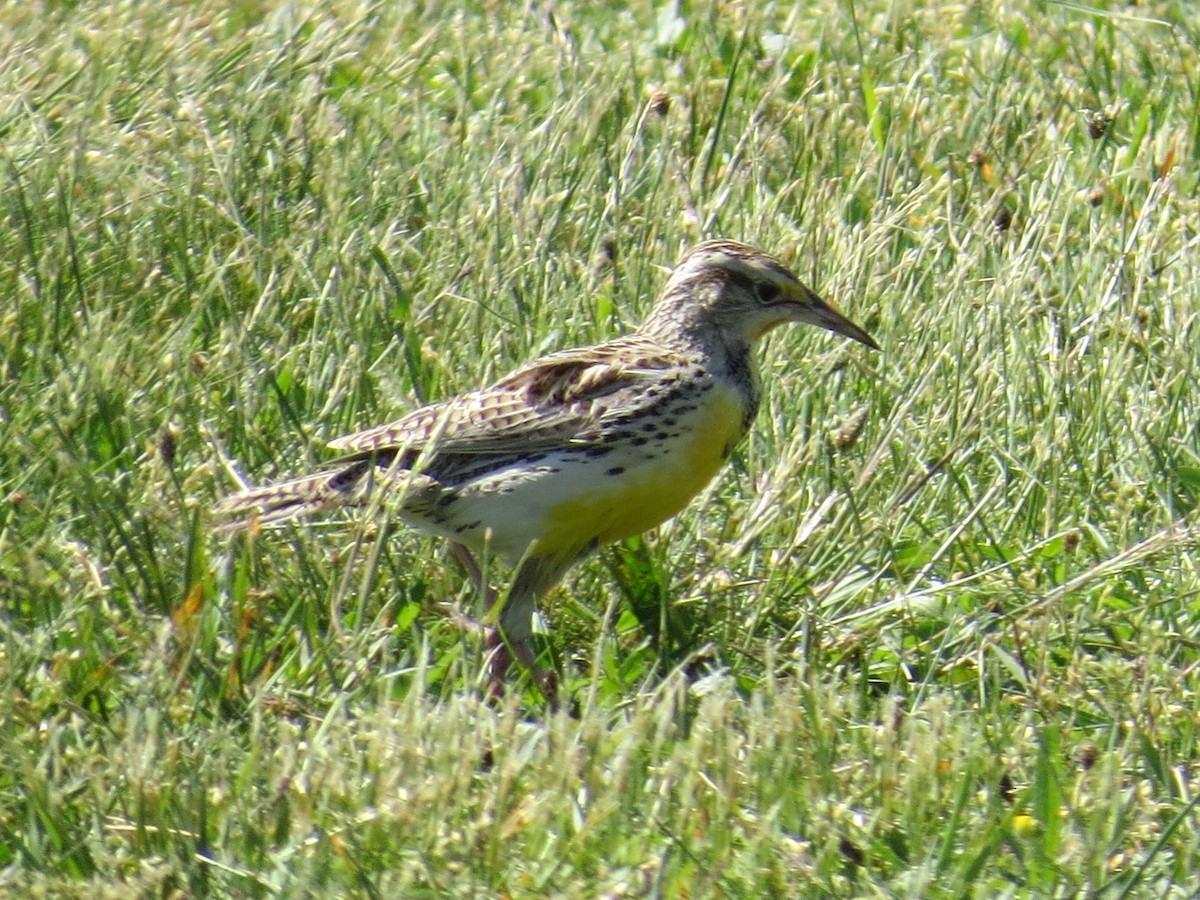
<point>475,574</point>
<point>467,561</point>
<point>502,653</point>
<point>511,639</point>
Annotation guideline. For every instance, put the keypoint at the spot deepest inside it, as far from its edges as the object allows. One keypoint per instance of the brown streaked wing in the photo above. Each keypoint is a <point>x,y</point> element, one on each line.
<point>556,400</point>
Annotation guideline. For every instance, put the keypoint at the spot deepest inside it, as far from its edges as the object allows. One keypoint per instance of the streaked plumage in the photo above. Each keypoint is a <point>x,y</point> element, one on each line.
<point>581,447</point>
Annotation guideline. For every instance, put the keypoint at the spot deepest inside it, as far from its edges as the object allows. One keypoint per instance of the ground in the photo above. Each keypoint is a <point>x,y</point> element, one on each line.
<point>932,632</point>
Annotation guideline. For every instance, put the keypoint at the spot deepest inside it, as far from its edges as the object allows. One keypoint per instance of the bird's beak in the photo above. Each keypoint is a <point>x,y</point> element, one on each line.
<point>812,310</point>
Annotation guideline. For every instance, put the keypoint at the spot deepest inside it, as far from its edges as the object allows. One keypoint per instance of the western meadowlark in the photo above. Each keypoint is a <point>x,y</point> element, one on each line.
<point>579,448</point>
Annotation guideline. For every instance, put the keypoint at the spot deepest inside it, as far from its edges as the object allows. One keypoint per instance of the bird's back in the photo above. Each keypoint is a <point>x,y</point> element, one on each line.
<point>580,448</point>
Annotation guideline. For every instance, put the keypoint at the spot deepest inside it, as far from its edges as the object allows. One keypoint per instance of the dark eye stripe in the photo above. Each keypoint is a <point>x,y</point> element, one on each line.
<point>742,281</point>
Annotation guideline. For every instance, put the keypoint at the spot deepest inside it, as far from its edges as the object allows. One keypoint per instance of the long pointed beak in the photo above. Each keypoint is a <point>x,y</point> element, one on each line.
<point>812,310</point>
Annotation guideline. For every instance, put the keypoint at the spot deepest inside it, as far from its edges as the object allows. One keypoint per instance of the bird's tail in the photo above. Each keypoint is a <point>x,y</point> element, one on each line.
<point>345,484</point>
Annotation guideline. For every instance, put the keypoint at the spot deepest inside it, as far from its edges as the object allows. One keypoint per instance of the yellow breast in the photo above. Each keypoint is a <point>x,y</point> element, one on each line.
<point>636,488</point>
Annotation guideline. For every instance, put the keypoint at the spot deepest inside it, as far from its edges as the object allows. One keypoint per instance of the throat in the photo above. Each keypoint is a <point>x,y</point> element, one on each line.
<point>742,373</point>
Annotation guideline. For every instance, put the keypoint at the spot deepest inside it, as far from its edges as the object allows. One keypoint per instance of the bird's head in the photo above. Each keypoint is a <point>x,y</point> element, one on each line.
<point>736,289</point>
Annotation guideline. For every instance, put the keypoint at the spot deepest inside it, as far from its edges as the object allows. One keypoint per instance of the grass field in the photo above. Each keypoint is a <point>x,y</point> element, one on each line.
<point>935,631</point>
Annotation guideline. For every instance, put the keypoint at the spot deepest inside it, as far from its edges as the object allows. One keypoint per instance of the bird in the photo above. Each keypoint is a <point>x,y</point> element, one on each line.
<point>577,449</point>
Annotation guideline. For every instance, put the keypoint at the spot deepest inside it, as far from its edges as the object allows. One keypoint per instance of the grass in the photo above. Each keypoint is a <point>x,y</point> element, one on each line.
<point>933,633</point>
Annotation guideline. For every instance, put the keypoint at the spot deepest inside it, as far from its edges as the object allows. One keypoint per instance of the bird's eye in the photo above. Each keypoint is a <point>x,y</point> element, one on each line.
<point>766,292</point>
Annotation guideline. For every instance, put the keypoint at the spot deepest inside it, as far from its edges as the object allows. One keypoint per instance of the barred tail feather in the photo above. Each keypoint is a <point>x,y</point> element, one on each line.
<point>301,496</point>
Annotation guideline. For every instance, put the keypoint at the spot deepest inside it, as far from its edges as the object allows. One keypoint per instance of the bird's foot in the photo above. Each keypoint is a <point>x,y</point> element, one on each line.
<point>502,654</point>
<point>468,624</point>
